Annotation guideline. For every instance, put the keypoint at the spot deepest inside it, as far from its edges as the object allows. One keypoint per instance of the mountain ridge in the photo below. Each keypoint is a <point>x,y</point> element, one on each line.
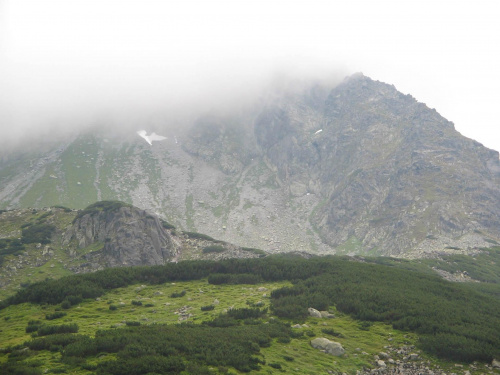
<point>356,169</point>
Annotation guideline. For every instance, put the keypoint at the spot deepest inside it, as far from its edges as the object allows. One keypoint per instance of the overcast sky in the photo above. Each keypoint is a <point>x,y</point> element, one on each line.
<point>64,61</point>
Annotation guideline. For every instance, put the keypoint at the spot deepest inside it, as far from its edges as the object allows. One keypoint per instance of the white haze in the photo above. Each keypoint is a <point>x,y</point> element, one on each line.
<point>69,64</point>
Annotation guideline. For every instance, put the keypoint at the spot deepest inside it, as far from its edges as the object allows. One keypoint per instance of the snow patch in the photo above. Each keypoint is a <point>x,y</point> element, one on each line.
<point>152,137</point>
<point>318,131</point>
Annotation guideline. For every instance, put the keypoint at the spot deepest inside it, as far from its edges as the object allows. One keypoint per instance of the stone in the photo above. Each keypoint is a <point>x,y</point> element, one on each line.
<point>326,314</point>
<point>313,312</point>
<point>495,363</point>
<point>327,346</point>
<point>381,363</point>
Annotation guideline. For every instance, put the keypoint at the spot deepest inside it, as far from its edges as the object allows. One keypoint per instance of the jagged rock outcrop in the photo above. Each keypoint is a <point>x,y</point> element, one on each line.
<point>130,236</point>
<point>391,171</point>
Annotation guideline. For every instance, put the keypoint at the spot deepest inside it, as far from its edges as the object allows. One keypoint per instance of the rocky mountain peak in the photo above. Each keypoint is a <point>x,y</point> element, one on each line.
<point>355,168</point>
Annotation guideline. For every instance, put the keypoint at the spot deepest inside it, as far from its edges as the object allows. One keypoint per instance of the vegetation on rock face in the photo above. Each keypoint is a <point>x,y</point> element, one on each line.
<point>9,246</point>
<point>38,233</point>
<point>199,236</point>
<point>213,249</point>
<point>102,206</point>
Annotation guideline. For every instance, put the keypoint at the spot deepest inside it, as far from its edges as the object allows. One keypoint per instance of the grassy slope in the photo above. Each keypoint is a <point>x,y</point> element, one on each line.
<point>93,315</point>
<point>361,344</point>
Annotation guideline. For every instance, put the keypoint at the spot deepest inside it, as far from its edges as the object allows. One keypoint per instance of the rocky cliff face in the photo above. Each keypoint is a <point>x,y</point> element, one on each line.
<point>359,168</point>
<point>131,237</point>
<point>392,172</point>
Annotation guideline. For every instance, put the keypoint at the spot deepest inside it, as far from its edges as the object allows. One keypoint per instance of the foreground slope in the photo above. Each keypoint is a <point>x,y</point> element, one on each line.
<point>245,315</point>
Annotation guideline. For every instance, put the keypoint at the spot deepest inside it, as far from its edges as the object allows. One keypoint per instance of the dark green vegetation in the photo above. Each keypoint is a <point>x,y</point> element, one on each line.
<point>213,249</point>
<point>10,246</point>
<point>439,311</point>
<point>200,236</point>
<point>173,348</point>
<point>102,206</point>
<point>483,267</point>
<point>38,233</point>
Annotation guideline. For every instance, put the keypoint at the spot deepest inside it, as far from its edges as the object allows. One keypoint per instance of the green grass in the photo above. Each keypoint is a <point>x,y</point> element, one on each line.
<point>92,315</point>
<point>44,192</point>
<point>190,213</point>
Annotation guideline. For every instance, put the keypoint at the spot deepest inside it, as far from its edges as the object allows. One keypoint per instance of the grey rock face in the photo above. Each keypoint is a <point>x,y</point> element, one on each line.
<point>131,237</point>
<point>392,172</point>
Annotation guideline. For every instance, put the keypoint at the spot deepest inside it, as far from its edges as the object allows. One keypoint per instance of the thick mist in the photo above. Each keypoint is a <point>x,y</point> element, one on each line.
<point>66,65</point>
<point>53,106</point>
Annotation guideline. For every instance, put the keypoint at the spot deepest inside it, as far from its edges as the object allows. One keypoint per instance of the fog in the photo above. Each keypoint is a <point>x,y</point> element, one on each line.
<point>67,65</point>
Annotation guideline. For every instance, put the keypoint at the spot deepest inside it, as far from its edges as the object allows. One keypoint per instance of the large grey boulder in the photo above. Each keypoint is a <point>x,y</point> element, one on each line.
<point>327,346</point>
<point>314,313</point>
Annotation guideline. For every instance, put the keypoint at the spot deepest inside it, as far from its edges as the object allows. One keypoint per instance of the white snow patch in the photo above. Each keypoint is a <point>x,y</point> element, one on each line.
<point>319,131</point>
<point>152,137</point>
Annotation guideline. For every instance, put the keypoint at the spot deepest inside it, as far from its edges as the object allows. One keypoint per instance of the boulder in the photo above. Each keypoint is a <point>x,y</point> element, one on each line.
<point>495,363</point>
<point>326,314</point>
<point>314,313</point>
<point>327,346</point>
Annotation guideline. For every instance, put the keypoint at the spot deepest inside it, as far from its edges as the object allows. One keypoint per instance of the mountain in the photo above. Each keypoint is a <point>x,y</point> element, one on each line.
<point>359,168</point>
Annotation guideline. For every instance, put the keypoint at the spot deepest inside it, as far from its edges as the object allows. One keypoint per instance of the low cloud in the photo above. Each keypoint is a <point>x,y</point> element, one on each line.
<point>66,67</point>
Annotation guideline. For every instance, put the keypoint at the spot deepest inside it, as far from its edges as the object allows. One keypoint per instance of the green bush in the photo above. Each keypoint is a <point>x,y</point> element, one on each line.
<point>178,294</point>
<point>55,315</point>
<point>332,332</point>
<point>63,328</point>
<point>199,236</point>
<point>213,249</point>
<point>41,233</point>
<point>133,324</point>
<point>167,225</point>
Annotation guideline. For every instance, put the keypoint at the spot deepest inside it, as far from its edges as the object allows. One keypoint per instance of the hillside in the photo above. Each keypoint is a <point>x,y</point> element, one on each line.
<point>36,244</point>
<point>241,316</point>
<point>355,169</point>
<point>65,293</point>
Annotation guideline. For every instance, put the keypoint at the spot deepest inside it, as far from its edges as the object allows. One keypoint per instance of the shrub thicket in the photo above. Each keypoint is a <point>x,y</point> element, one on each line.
<point>35,233</point>
<point>437,310</point>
